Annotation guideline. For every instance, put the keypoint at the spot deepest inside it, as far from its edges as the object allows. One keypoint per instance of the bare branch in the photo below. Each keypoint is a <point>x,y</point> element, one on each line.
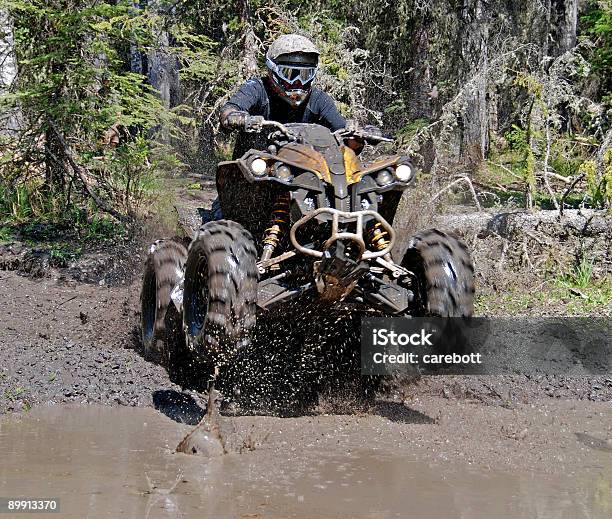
<point>455,182</point>
<point>81,172</point>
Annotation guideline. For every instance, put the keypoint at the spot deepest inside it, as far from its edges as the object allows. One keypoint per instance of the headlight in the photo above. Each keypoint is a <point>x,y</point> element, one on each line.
<point>384,177</point>
<point>283,173</point>
<point>259,167</point>
<point>403,172</point>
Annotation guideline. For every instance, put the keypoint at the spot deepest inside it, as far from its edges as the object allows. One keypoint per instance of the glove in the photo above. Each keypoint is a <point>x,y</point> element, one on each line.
<point>253,123</point>
<point>234,120</point>
<point>238,120</point>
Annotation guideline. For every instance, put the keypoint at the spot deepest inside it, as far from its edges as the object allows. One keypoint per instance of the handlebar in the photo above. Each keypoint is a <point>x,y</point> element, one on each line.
<point>362,134</point>
<point>256,123</point>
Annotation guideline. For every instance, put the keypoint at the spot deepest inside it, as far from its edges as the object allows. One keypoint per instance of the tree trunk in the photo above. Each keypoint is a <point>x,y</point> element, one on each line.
<point>473,40</point>
<point>163,71</point>
<point>438,49</point>
<point>9,118</point>
<point>250,45</point>
<point>564,24</point>
<point>159,65</point>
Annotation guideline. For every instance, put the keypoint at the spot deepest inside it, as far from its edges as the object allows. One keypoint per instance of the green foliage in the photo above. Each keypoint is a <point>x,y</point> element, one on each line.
<point>6,234</point>
<point>26,200</point>
<point>581,276</point>
<point>583,273</point>
<point>589,169</point>
<point>530,83</point>
<point>597,25</point>
<point>518,141</point>
<point>517,138</point>
<point>74,87</point>
<point>599,187</point>
<point>568,153</point>
<point>101,229</point>
<point>607,178</point>
<point>397,64</point>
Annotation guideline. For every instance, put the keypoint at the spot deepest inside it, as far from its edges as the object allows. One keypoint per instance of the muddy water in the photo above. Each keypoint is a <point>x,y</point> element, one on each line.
<point>118,462</point>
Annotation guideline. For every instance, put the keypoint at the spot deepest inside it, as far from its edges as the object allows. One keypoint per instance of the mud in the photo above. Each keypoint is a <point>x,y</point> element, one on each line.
<point>103,264</point>
<point>78,343</point>
<point>72,342</point>
<point>209,438</point>
<point>119,462</point>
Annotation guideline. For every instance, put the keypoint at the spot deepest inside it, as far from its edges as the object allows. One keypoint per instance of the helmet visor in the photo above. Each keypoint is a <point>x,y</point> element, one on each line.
<point>291,74</point>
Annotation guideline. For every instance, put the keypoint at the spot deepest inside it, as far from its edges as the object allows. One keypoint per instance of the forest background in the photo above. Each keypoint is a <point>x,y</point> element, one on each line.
<point>99,101</point>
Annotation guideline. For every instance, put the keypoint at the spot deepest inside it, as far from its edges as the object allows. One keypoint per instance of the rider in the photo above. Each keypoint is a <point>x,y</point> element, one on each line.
<point>285,94</point>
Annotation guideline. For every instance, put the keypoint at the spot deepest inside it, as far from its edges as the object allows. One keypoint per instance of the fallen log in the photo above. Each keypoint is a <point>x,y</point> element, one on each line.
<point>585,222</point>
<point>538,242</point>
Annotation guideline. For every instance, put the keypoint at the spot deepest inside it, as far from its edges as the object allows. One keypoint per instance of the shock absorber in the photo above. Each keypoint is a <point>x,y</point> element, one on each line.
<point>378,237</point>
<point>279,224</point>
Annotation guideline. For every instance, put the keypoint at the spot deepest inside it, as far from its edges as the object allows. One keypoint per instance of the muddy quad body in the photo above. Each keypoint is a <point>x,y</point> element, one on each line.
<point>304,223</point>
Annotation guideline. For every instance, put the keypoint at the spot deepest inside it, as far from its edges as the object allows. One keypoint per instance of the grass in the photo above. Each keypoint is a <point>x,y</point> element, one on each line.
<point>17,394</point>
<point>102,229</point>
<point>65,240</point>
<point>14,394</point>
<point>502,178</point>
<point>581,276</point>
<point>62,256</point>
<point>6,233</point>
<point>552,297</point>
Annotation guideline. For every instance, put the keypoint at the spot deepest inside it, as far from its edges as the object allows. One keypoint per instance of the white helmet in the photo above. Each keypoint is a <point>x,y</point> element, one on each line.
<point>292,62</point>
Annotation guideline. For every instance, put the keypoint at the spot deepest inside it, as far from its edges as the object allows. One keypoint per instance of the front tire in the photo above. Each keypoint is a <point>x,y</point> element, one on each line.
<point>219,303</point>
<point>444,275</point>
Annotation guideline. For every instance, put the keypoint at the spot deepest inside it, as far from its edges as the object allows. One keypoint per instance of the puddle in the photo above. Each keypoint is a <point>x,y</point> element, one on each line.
<point>119,462</point>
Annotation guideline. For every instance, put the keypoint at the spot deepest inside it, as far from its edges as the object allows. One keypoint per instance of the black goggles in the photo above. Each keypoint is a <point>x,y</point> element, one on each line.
<point>293,73</point>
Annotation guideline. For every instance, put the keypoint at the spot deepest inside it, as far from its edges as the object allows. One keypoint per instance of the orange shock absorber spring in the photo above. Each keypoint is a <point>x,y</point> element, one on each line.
<point>379,238</point>
<point>279,224</point>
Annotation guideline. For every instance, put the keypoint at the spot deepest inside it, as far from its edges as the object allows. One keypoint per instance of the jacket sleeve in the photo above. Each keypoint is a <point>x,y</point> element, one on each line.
<point>328,112</point>
<point>248,98</point>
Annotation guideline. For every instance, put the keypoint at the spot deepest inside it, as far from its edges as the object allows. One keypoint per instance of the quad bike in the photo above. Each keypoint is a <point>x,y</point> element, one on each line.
<point>304,222</point>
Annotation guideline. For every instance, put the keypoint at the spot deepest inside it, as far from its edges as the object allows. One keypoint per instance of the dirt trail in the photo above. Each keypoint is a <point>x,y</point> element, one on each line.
<point>71,343</point>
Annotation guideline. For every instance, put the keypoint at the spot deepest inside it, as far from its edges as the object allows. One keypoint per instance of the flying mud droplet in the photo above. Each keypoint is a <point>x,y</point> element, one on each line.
<point>207,438</point>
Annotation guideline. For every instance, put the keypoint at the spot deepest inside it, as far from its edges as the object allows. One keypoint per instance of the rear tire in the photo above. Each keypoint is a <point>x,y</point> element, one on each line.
<point>444,275</point>
<point>219,303</point>
<point>184,368</point>
<point>163,271</point>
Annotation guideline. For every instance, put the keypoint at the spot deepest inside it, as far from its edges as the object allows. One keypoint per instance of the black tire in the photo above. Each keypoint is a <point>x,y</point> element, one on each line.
<point>444,275</point>
<point>162,272</point>
<point>184,368</point>
<point>219,301</point>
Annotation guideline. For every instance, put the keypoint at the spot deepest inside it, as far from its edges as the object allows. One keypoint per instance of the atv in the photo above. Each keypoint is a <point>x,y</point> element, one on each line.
<point>304,222</point>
